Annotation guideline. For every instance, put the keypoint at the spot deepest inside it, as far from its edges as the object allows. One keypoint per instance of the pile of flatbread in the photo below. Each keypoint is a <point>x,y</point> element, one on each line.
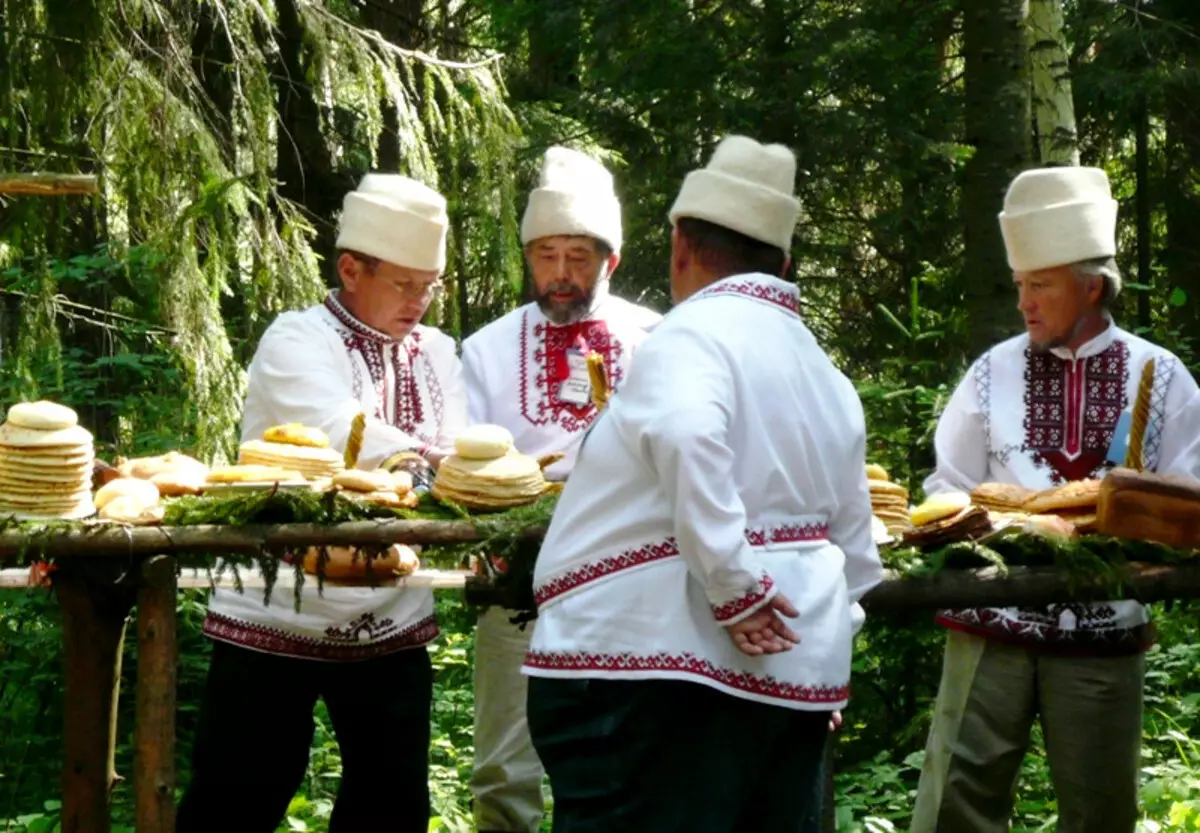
<point>889,501</point>
<point>488,473</point>
<point>290,453</point>
<point>173,473</point>
<point>378,486</point>
<point>1073,503</point>
<point>46,463</point>
<point>945,518</point>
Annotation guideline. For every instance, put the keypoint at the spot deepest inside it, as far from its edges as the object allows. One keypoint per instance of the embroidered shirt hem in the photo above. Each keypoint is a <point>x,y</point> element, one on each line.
<point>282,643</point>
<point>664,665</point>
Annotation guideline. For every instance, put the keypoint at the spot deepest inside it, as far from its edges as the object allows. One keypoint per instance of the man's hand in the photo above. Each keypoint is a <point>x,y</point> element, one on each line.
<point>764,632</point>
<point>835,721</point>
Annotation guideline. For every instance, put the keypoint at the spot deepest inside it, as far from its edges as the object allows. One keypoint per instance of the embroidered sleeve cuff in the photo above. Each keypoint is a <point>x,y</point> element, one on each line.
<point>753,600</point>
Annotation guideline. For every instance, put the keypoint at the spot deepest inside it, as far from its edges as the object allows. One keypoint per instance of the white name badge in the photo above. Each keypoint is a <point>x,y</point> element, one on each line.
<point>577,389</point>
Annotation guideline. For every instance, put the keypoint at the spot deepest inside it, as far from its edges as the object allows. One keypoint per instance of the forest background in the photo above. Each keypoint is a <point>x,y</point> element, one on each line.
<point>225,132</point>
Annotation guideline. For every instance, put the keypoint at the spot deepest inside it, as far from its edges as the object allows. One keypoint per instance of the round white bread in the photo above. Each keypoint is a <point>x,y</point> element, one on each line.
<point>142,491</point>
<point>483,442</point>
<point>180,482</point>
<point>358,480</point>
<point>147,468</point>
<point>42,416</point>
<point>72,439</point>
<point>131,510</point>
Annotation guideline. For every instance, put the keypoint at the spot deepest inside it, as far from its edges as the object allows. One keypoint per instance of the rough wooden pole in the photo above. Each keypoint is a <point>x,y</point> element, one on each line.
<point>93,627</point>
<point>154,731</point>
<point>47,185</point>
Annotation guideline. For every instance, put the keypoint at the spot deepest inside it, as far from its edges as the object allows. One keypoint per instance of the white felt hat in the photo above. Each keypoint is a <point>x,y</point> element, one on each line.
<point>574,196</point>
<point>746,187</point>
<point>397,220</point>
<point>1058,216</point>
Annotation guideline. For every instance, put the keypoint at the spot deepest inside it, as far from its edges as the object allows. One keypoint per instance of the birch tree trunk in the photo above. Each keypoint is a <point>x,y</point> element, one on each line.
<point>1056,140</point>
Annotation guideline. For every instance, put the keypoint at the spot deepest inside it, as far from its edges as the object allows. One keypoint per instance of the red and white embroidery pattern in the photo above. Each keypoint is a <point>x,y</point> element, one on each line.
<point>543,348</point>
<point>787,533</point>
<point>751,600</point>
<point>1096,630</point>
<point>594,570</point>
<point>1072,408</point>
<point>786,297</point>
<point>416,408</point>
<point>690,665</point>
<point>343,645</point>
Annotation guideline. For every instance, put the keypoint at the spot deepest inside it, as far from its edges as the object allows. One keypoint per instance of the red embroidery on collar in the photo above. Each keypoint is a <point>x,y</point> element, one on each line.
<point>543,357</point>
<point>785,297</point>
<point>401,388</point>
<point>1072,409</point>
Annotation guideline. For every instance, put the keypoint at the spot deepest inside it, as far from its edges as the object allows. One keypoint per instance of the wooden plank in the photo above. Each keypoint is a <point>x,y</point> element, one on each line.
<point>93,627</point>
<point>18,578</point>
<point>154,730</point>
<point>114,540</point>
<point>47,185</point>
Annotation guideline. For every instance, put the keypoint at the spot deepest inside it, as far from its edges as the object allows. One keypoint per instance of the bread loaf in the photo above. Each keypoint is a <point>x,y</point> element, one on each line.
<point>1149,507</point>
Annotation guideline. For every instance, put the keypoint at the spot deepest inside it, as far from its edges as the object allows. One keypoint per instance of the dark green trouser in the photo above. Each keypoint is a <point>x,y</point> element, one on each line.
<point>626,756</point>
<point>990,694</point>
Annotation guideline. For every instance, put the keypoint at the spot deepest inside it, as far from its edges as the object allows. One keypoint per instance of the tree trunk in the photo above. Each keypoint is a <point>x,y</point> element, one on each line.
<point>1145,240</point>
<point>1053,106</point>
<point>305,168</point>
<point>997,127</point>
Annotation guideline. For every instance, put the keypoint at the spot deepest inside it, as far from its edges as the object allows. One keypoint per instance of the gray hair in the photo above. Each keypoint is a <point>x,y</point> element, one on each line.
<point>1104,268</point>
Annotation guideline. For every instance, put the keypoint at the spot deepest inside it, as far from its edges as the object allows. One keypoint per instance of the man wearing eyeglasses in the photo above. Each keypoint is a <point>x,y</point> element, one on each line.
<point>360,649</point>
<point>527,371</point>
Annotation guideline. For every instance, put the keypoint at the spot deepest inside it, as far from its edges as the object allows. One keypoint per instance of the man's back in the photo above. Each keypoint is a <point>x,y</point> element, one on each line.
<point>734,446</point>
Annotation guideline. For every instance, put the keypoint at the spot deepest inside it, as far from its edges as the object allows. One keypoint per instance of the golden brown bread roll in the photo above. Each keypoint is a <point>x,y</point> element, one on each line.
<point>343,566</point>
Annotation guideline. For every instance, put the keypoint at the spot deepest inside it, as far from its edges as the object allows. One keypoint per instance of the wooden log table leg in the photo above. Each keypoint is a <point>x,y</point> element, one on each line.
<point>154,731</point>
<point>94,610</point>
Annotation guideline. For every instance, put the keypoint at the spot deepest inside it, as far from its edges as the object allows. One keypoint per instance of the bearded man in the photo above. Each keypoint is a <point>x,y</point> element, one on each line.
<point>1038,410</point>
<point>360,649</point>
<point>527,372</point>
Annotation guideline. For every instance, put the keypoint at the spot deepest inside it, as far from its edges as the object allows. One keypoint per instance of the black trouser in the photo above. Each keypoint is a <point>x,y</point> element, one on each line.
<point>673,757</point>
<point>256,727</point>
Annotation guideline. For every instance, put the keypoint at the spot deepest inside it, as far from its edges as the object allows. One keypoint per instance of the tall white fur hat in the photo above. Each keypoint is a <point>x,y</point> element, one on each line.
<point>746,187</point>
<point>1058,216</point>
<point>574,196</point>
<point>397,220</point>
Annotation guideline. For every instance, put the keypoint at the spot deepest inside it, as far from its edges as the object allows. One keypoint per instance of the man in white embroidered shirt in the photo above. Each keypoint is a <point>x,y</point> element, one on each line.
<point>360,649</point>
<point>1038,410</point>
<point>527,371</point>
<point>695,586</point>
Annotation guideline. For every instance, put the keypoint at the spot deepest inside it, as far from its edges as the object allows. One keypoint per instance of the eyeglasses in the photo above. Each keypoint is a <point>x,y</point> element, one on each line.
<point>420,292</point>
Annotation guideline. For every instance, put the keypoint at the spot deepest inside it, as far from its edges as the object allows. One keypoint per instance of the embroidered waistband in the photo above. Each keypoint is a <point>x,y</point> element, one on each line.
<point>800,530</point>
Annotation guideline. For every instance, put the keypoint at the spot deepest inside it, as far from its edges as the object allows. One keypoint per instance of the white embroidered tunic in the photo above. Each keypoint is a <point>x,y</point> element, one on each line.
<point>1040,419</point>
<point>321,367</point>
<point>514,368</point>
<point>729,468</point>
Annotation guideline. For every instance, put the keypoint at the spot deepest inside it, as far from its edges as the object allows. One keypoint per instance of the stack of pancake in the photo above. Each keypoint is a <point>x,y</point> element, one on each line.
<point>295,448</point>
<point>488,473</point>
<point>889,501</point>
<point>46,463</point>
<point>1005,499</point>
<point>946,518</point>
